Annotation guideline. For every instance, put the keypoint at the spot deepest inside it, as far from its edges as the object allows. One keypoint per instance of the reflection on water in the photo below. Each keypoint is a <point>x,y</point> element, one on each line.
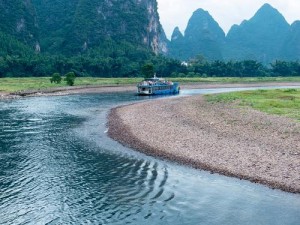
<point>59,167</point>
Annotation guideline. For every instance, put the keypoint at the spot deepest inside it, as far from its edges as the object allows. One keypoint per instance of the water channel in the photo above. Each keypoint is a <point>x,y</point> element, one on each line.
<point>57,166</point>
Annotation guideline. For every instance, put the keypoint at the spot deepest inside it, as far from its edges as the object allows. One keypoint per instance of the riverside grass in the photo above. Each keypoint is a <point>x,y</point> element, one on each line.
<point>285,102</point>
<point>37,83</point>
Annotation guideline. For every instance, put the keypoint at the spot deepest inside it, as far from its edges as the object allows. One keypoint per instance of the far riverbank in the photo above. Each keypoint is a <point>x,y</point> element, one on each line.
<point>85,89</point>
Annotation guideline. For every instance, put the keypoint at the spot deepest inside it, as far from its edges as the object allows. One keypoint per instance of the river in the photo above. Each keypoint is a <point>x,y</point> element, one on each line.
<point>59,167</point>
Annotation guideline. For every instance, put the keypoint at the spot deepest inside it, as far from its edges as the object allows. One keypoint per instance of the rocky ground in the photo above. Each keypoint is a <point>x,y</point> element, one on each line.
<point>218,137</point>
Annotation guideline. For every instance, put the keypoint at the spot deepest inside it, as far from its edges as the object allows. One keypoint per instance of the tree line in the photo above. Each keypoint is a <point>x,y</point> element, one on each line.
<point>244,68</point>
<point>40,65</point>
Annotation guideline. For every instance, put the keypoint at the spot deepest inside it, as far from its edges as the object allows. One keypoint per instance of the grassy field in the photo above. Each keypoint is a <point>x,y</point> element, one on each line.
<point>35,83</point>
<point>236,79</point>
<point>284,102</point>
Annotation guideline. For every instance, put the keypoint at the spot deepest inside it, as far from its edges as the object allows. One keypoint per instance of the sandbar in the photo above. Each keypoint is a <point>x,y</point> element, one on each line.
<point>217,137</point>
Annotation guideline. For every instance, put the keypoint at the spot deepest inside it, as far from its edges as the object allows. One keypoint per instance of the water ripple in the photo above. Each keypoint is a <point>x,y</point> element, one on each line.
<point>56,168</point>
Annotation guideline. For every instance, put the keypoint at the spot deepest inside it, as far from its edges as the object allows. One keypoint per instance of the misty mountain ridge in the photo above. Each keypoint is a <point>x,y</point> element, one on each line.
<point>265,37</point>
<point>203,34</point>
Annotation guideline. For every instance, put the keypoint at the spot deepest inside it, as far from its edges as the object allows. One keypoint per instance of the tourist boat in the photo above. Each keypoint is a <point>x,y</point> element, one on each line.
<point>157,86</point>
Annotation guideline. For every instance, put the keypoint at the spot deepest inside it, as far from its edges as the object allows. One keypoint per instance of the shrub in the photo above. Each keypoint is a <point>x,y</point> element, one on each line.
<point>70,78</point>
<point>56,78</point>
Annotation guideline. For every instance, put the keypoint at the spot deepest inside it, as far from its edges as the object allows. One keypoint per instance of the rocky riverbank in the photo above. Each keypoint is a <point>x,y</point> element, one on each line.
<point>217,137</point>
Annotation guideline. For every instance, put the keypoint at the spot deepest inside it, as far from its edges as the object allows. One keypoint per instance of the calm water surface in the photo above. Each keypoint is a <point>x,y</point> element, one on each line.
<point>59,167</point>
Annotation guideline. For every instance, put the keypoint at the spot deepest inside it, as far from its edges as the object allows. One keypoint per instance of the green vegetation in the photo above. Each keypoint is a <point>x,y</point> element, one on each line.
<point>284,102</point>
<point>124,60</point>
<point>70,78</point>
<point>147,70</point>
<point>234,79</point>
<point>56,78</point>
<point>36,83</point>
<point>30,83</point>
<point>246,68</point>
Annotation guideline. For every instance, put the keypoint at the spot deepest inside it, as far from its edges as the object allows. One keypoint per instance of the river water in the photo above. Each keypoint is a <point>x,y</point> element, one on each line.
<point>59,167</point>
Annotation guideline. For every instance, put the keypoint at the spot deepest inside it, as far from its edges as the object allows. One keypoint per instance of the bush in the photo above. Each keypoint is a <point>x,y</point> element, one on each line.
<point>56,78</point>
<point>70,78</point>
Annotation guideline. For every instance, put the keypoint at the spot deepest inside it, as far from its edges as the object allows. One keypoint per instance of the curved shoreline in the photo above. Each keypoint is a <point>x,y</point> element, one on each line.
<point>224,139</point>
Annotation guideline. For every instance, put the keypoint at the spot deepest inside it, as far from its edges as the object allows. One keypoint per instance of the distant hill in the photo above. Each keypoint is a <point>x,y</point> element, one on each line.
<point>260,38</point>
<point>202,35</point>
<point>265,37</point>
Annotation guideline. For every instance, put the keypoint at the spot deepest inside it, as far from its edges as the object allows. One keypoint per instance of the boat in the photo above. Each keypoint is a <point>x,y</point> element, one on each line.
<point>157,86</point>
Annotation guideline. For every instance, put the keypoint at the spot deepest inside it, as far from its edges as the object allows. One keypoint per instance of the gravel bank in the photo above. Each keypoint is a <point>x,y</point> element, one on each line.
<point>221,138</point>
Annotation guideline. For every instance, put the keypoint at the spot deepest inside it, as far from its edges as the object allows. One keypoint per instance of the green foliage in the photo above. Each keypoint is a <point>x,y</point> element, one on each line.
<point>282,68</point>
<point>147,70</point>
<point>72,27</point>
<point>70,78</point>
<point>36,83</point>
<point>56,78</point>
<point>18,20</point>
<point>122,60</point>
<point>280,101</point>
<point>9,45</point>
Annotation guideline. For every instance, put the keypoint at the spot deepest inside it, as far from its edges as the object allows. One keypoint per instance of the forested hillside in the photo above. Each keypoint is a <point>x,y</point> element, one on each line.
<point>89,37</point>
<point>74,26</point>
<point>18,21</point>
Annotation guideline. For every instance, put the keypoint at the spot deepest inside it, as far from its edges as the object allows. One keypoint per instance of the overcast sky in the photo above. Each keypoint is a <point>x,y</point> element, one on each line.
<point>226,12</point>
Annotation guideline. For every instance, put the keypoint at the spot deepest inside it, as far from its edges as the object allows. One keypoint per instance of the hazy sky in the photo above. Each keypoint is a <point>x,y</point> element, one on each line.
<point>226,12</point>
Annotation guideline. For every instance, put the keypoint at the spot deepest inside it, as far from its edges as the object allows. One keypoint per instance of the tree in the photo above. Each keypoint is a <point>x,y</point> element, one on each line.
<point>147,70</point>
<point>252,68</point>
<point>281,68</point>
<point>70,78</point>
<point>56,78</point>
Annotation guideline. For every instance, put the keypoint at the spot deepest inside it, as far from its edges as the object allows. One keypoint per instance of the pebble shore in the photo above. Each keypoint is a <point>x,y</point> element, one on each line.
<point>217,137</point>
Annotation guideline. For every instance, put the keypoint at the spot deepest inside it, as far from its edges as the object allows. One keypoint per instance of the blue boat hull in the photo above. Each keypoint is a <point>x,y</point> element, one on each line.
<point>158,90</point>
